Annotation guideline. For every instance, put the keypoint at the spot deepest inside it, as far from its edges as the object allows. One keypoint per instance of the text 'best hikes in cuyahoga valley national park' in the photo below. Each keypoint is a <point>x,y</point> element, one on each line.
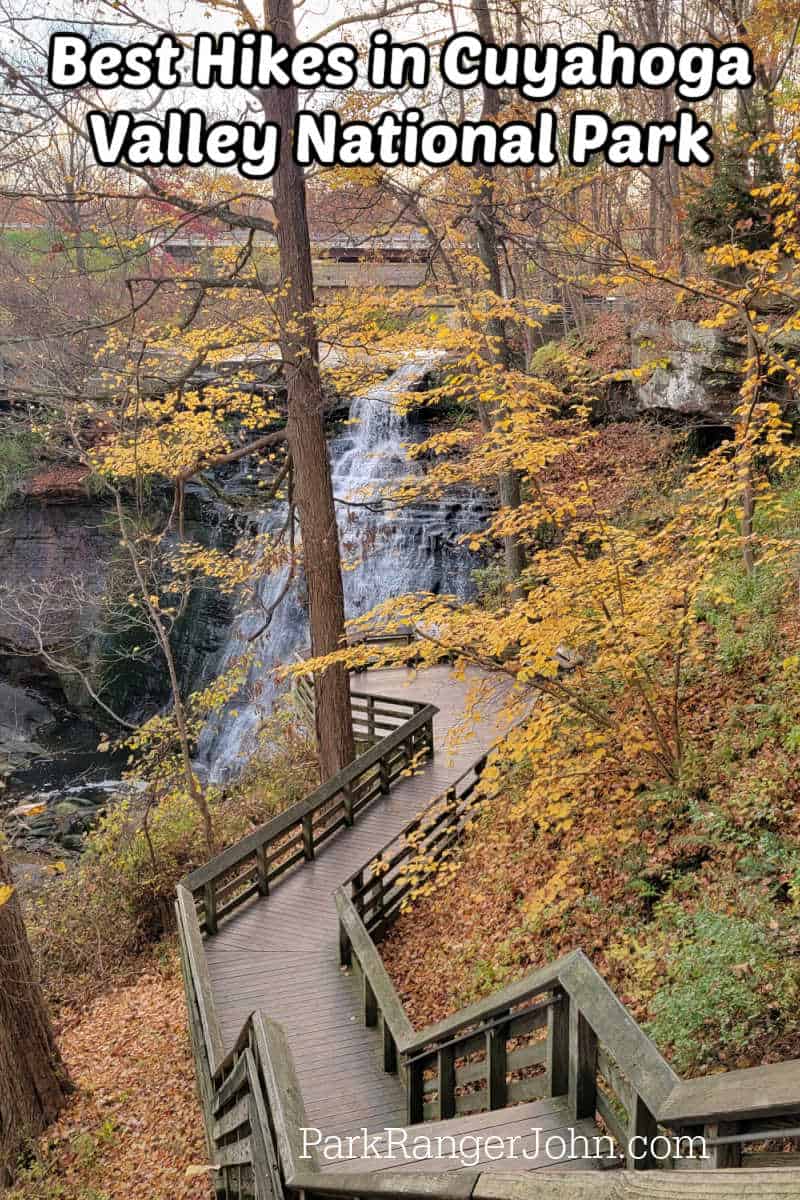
<point>399,625</point>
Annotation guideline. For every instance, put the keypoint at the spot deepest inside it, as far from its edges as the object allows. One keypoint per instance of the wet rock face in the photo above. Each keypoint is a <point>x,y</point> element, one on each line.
<point>700,377</point>
<point>61,562</point>
<point>45,542</point>
<point>42,543</point>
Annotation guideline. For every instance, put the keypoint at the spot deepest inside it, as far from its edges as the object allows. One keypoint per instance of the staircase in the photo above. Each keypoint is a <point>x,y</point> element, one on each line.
<point>302,1046</point>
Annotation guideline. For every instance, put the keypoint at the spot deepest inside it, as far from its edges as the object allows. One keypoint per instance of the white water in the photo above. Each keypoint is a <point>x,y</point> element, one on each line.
<point>392,552</point>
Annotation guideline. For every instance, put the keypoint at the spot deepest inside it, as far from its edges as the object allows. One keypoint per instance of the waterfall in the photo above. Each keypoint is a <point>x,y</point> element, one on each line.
<point>390,552</point>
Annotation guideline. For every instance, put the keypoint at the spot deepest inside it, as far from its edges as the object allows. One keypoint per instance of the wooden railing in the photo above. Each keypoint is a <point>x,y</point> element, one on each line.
<point>533,1039</point>
<point>254,1108</point>
<point>379,889</point>
<point>240,1096</point>
<point>251,866</point>
<point>560,1031</point>
<point>373,716</point>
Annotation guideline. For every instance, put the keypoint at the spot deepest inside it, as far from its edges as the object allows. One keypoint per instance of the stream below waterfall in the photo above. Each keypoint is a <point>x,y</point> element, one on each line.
<point>386,552</point>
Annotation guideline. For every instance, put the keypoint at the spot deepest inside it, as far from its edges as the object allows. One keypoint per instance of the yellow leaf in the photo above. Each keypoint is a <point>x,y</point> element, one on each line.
<point>6,892</point>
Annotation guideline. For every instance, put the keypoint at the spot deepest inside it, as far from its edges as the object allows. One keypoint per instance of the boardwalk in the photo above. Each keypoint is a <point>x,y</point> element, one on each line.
<point>281,954</point>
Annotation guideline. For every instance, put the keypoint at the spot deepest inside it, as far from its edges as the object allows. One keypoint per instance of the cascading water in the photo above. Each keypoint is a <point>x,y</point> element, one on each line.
<point>391,552</point>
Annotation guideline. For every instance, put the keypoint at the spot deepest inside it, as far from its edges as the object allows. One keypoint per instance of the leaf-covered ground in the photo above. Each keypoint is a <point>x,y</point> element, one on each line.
<point>685,894</point>
<point>133,1129</point>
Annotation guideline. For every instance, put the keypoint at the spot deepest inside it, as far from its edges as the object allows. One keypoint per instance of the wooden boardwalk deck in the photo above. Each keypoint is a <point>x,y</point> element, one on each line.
<point>280,954</point>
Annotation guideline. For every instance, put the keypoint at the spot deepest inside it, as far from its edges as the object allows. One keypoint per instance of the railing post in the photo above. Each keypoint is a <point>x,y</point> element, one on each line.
<point>355,886</point>
<point>210,902</point>
<point>557,1078</point>
<point>446,1065</point>
<point>262,870</point>
<point>345,947</point>
<point>370,1004</point>
<point>384,777</point>
<point>497,1066</point>
<point>720,1157</point>
<point>582,1065</point>
<point>389,1050</point>
<point>643,1128</point>
<point>308,838</point>
<point>429,737</point>
<point>415,1092</point>
<point>348,804</point>
<point>376,926</point>
<point>370,719</point>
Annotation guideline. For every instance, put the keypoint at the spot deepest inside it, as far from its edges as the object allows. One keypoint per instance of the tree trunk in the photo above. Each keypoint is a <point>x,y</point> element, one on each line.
<point>33,1079</point>
<point>305,428</point>
<point>73,213</point>
<point>486,231</point>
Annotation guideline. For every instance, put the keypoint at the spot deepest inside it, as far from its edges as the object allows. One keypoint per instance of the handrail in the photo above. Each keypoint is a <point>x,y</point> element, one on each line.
<point>585,1021</point>
<point>240,850</point>
<point>379,896</point>
<point>744,1094</point>
<point>581,1013</point>
<point>414,824</point>
<point>527,988</point>
<point>354,938</point>
<point>369,775</point>
<point>197,966</point>
<point>636,1055</point>
<point>251,1099</point>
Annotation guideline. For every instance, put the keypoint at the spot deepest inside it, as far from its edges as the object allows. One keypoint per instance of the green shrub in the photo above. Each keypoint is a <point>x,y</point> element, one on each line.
<point>492,585</point>
<point>88,925</point>
<point>18,451</point>
<point>726,210</point>
<point>748,624</point>
<point>728,977</point>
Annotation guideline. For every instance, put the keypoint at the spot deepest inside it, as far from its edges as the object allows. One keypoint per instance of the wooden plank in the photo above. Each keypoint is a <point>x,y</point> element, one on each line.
<point>233,1119</point>
<point>265,1159</point>
<point>612,1121</point>
<point>642,1128</point>
<point>283,1095</point>
<point>189,930</point>
<point>389,1048</point>
<point>755,1092</point>
<point>497,1066</point>
<point>234,1154</point>
<point>722,1150</point>
<point>637,1057</point>
<point>233,1075</point>
<point>493,1185</point>
<point>617,1082</point>
<point>765,1159</point>
<point>582,1065</point>
<point>364,949</point>
<point>370,1004</point>
<point>518,1060</point>
<point>557,1054</point>
<point>543,980</point>
<point>518,1092</point>
<point>446,1076</point>
<point>410,1187</point>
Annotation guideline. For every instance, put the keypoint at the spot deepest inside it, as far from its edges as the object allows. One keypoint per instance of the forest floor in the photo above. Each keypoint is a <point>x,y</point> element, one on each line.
<point>133,1129</point>
<point>685,896</point>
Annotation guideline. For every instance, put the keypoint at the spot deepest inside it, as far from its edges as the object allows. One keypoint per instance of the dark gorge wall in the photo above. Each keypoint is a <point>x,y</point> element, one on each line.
<point>63,603</point>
